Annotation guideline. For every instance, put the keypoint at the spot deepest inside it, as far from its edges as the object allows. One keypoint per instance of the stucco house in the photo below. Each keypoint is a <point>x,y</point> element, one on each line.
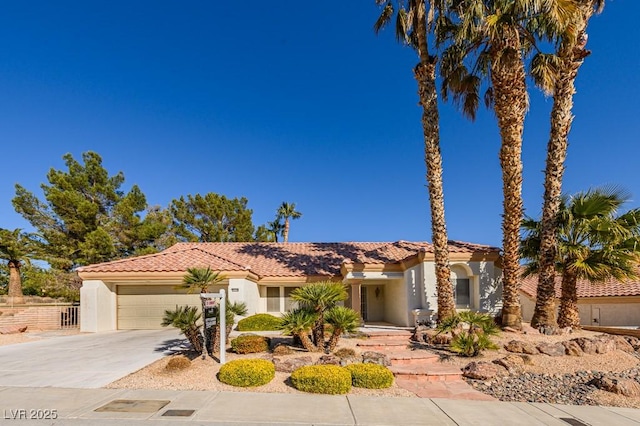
<point>390,282</point>
<point>607,304</point>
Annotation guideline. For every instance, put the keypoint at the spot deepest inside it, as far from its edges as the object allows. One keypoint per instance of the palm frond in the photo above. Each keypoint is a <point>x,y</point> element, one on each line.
<point>545,69</point>
<point>385,16</point>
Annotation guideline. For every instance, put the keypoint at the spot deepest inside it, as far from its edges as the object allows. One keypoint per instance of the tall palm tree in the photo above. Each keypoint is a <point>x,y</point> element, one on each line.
<point>593,243</point>
<point>287,211</point>
<point>319,297</point>
<point>556,75</point>
<point>200,279</point>
<point>275,228</point>
<point>413,25</point>
<point>16,248</point>
<point>493,36</point>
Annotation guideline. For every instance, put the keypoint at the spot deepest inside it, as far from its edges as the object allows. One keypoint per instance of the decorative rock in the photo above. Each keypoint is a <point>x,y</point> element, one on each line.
<point>328,360</point>
<point>480,370</point>
<point>633,341</point>
<point>435,337</point>
<point>420,334</point>
<point>347,360</point>
<point>572,348</point>
<point>13,329</point>
<point>375,358</point>
<point>622,344</point>
<point>513,363</point>
<point>519,347</point>
<point>548,330</point>
<point>556,349</point>
<point>288,365</point>
<point>511,330</point>
<point>527,359</point>
<point>604,344</point>
<point>626,387</point>
<point>588,346</point>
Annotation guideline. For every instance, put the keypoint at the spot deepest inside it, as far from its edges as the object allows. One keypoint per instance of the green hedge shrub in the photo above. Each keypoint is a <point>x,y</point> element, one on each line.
<point>247,372</point>
<point>250,344</point>
<point>345,353</point>
<point>259,322</point>
<point>326,379</point>
<point>370,376</point>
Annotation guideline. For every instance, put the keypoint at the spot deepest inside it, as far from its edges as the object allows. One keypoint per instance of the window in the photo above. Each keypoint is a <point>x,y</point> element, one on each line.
<point>289,303</point>
<point>273,299</point>
<point>462,293</point>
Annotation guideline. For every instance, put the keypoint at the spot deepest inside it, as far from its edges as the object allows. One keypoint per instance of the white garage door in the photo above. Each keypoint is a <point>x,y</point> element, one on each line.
<point>141,307</point>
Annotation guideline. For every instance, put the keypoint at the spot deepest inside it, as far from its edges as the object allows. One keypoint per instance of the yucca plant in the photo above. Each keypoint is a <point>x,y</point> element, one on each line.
<point>471,332</point>
<point>185,318</point>
<point>342,320</point>
<point>299,323</point>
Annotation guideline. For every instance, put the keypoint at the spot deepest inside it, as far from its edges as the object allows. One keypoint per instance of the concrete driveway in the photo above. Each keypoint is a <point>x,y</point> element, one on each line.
<point>85,360</point>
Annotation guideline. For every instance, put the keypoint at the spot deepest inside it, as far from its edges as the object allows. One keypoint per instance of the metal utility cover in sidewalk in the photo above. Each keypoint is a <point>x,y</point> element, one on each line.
<point>133,406</point>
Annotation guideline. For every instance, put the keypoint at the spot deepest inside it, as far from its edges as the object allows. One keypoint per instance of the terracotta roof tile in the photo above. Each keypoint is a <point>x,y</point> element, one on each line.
<point>585,288</point>
<point>277,259</point>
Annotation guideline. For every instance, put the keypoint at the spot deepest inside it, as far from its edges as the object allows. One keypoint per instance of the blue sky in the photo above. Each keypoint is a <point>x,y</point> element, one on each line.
<point>286,101</point>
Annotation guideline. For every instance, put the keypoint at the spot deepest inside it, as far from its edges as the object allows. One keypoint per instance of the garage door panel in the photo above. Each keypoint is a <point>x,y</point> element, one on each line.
<point>142,307</point>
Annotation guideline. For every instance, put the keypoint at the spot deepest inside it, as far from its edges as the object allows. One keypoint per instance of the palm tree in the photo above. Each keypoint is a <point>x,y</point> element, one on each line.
<point>319,297</point>
<point>275,228</point>
<point>413,29</point>
<point>493,35</point>
<point>287,211</point>
<point>556,75</point>
<point>185,319</point>
<point>200,279</point>
<point>16,248</point>
<point>593,243</point>
<point>343,320</point>
<point>300,322</point>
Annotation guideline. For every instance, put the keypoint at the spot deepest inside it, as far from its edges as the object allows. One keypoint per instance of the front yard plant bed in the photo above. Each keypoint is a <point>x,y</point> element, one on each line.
<point>370,376</point>
<point>247,372</point>
<point>325,379</point>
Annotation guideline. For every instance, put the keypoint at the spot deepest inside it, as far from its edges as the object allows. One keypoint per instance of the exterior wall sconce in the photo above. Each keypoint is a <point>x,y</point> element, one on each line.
<point>377,292</point>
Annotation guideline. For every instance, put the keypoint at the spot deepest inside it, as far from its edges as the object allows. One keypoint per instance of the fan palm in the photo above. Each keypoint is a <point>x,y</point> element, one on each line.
<point>493,36</point>
<point>16,248</point>
<point>319,297</point>
<point>593,243</point>
<point>275,228</point>
<point>185,319</point>
<point>343,320</point>
<point>287,211</point>
<point>413,25</point>
<point>300,322</point>
<point>556,75</point>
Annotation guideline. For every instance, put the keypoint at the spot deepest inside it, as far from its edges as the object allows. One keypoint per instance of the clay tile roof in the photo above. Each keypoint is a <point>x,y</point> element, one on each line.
<point>585,288</point>
<point>277,259</point>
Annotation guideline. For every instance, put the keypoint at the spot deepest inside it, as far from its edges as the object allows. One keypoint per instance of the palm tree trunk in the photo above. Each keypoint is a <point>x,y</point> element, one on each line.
<point>318,331</point>
<point>15,283</point>
<point>510,94</point>
<point>425,75</point>
<point>306,342</point>
<point>285,233</point>
<point>571,56</point>
<point>335,337</point>
<point>569,315</point>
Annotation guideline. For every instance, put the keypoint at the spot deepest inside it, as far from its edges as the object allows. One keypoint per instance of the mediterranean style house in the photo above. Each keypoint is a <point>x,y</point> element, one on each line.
<point>607,304</point>
<point>387,282</point>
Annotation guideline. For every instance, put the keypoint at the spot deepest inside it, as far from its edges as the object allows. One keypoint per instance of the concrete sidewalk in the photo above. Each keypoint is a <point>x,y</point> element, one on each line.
<point>147,407</point>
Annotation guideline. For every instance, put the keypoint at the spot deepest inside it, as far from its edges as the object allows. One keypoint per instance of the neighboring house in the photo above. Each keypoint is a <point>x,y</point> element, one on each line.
<point>387,282</point>
<point>611,303</point>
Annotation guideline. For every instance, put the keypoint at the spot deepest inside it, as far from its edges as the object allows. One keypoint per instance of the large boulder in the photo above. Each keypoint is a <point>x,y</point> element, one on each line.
<point>587,345</point>
<point>328,360</point>
<point>289,365</point>
<point>481,370</point>
<point>551,349</point>
<point>572,348</point>
<point>520,347</point>
<point>626,387</point>
<point>513,363</point>
<point>375,358</point>
<point>604,344</point>
<point>622,344</point>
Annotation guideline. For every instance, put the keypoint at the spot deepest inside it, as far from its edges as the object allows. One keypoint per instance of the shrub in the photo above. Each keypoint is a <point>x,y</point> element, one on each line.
<point>247,372</point>
<point>326,379</point>
<point>370,376</point>
<point>345,353</point>
<point>250,344</point>
<point>282,350</point>
<point>179,362</point>
<point>471,332</point>
<point>259,322</point>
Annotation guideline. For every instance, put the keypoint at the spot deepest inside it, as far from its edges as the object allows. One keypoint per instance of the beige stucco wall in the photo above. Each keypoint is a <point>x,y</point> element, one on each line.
<point>243,290</point>
<point>396,295</point>
<point>97,306</point>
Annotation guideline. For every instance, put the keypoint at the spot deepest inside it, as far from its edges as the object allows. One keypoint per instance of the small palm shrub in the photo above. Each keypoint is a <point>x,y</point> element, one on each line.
<point>259,322</point>
<point>299,323</point>
<point>247,372</point>
<point>342,320</point>
<point>325,379</point>
<point>370,376</point>
<point>185,318</point>
<point>250,344</point>
<point>179,362</point>
<point>345,353</point>
<point>471,332</point>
